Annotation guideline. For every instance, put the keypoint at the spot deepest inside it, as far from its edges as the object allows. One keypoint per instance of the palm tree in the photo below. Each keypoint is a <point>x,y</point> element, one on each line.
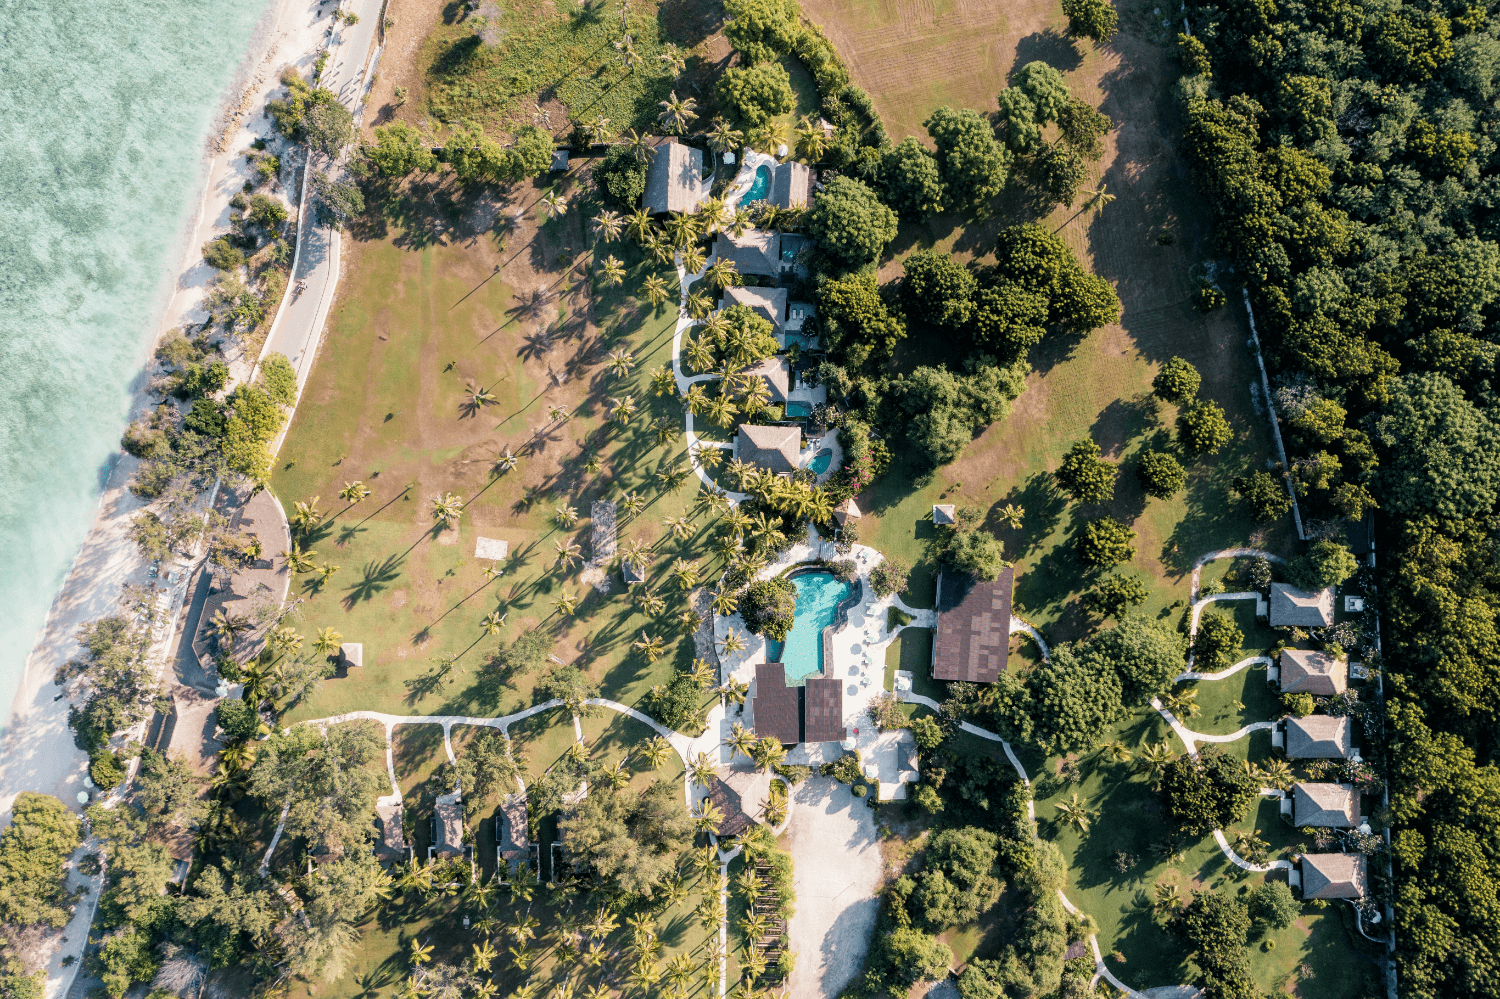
<point>507,460</point>
<point>1182,704</point>
<point>1152,759</point>
<point>663,382</point>
<point>621,409</point>
<point>354,491</point>
<point>484,956</point>
<point>690,620</point>
<point>479,398</point>
<point>1277,773</point>
<point>724,137</point>
<point>284,641</point>
<point>685,574</point>
<point>702,770</point>
<point>656,751</point>
<point>447,508</point>
<point>698,304</point>
<point>770,136</point>
<point>626,47</point>
<point>698,354</point>
<point>737,520</point>
<point>554,204</point>
<point>576,753</point>
<point>492,572</point>
<point>299,560</point>
<point>735,691</point>
<point>674,60</point>
<point>722,410</point>
<point>619,362</point>
<point>739,223</point>
<point>1074,812</point>
<point>1116,751</point>
<point>731,642</point>
<point>711,458</point>
<point>708,816</point>
<point>649,602</point>
<point>597,131</point>
<point>306,516</point>
<point>328,642</point>
<point>632,503</point>
<point>558,414</point>
<point>567,553</point>
<point>326,571</point>
<point>654,290</point>
<point>741,740</point>
<point>812,141</point>
<point>1012,514</point>
<point>492,622</point>
<point>640,145</point>
<point>565,516</point>
<point>1098,200</point>
<point>564,604</point>
<point>611,271</point>
<point>703,673</point>
<point>681,528</point>
<point>682,228</point>
<point>652,647</point>
<point>607,225</point>
<point>677,113</point>
<point>420,954</point>
<point>227,625</point>
<point>721,273</point>
<point>768,753</point>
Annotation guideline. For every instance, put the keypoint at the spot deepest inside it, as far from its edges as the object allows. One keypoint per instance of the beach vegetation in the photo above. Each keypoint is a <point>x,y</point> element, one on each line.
<point>399,150</point>
<point>222,255</point>
<point>312,114</point>
<point>327,782</point>
<point>338,200</point>
<point>42,835</point>
<point>112,678</point>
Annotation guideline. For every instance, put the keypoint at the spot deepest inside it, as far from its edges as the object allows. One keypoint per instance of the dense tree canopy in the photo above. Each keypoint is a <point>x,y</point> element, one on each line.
<point>630,840</point>
<point>761,29</point>
<point>767,606</point>
<point>42,835</point>
<point>1211,791</point>
<point>756,94</point>
<point>849,221</point>
<point>911,181</point>
<point>974,166</point>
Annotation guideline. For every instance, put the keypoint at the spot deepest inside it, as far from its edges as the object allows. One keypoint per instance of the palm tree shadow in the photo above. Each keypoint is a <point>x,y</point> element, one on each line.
<point>377,576</point>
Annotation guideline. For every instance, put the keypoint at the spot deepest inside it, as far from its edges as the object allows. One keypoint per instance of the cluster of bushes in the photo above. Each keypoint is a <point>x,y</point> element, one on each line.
<point>42,835</point>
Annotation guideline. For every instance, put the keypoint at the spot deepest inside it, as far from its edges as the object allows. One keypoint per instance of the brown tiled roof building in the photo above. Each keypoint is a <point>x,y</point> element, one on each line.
<point>824,699</point>
<point>774,706</point>
<point>973,633</point>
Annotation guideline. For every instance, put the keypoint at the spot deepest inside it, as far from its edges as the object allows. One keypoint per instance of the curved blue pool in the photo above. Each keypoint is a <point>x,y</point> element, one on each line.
<point>759,187</point>
<point>818,599</point>
<point>821,461</point>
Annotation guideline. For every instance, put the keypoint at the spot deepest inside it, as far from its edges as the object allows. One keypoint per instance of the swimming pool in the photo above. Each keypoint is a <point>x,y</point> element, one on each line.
<point>821,461</point>
<point>797,410</point>
<point>759,186</point>
<point>818,599</point>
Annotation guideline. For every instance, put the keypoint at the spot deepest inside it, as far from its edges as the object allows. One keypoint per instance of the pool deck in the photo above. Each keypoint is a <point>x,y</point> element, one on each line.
<point>858,658</point>
<point>829,441</point>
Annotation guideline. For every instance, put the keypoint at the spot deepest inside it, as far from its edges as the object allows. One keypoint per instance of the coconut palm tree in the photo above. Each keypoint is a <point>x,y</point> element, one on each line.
<point>284,641</point>
<point>652,647</point>
<point>770,135</point>
<point>1098,200</point>
<point>673,59</point>
<point>306,516</point>
<point>507,460</point>
<point>735,691</point>
<point>737,520</point>
<point>654,290</point>
<point>649,602</point>
<point>597,130</point>
<point>564,604</point>
<point>659,248</point>
<point>1074,812</point>
<point>447,508</point>
<point>636,552</point>
<point>326,571</point>
<point>328,642</point>
<point>354,491</point>
<point>492,622</point>
<point>708,816</point>
<point>619,362</point>
<point>553,204</point>
<point>656,751</point>
<point>698,304</point>
<point>685,574</point>
<point>568,552</point>
<point>1277,773</point>
<point>576,753</point>
<point>565,516</point>
<point>640,145</point>
<point>680,528</point>
<point>663,382</point>
<point>682,228</point>
<point>492,572</point>
<point>702,770</point>
<point>1152,759</point>
<point>812,140</point>
<point>621,409</point>
<point>1182,704</point>
<point>698,354</point>
<point>420,954</point>
<point>1118,752</point>
<point>731,643</point>
<point>741,740</point>
<point>632,503</point>
<point>722,273</point>
<point>677,113</point>
<point>703,674</point>
<point>768,753</point>
<point>484,956</point>
<point>593,464</point>
<point>724,137</point>
<point>693,260</point>
<point>625,45</point>
<point>558,414</point>
<point>228,626</point>
<point>611,271</point>
<point>299,560</point>
<point>607,225</point>
<point>479,397</point>
<point>722,410</point>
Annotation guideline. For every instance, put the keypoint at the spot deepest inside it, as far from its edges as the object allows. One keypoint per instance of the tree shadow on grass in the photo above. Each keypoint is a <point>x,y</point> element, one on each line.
<point>1049,46</point>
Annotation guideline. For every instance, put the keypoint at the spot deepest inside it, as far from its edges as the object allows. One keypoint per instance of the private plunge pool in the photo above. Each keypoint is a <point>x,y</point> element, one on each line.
<point>818,598</point>
<point>759,187</point>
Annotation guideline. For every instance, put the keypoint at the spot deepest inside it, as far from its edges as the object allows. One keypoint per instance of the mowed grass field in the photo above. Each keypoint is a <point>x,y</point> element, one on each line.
<point>436,303</point>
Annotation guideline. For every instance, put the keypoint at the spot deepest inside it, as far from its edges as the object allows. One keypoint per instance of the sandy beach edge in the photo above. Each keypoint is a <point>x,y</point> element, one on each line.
<point>37,752</point>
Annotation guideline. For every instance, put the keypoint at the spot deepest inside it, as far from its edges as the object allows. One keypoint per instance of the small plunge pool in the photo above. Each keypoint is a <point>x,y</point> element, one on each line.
<point>759,187</point>
<point>818,599</point>
<point>821,461</point>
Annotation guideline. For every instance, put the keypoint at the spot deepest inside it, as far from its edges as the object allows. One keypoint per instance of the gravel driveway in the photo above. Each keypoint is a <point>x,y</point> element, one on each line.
<point>837,853</point>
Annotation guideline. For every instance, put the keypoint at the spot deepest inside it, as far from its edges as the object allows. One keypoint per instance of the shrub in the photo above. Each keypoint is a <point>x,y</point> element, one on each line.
<point>1105,542</point>
<point>1086,476</point>
<point>1114,595</point>
<point>1208,298</point>
<point>222,255</point>
<point>1265,494</point>
<point>889,576</point>
<point>844,569</point>
<point>1217,641</point>
<point>1327,563</point>
<point>768,605</point>
<point>1161,474</point>
<point>757,94</point>
<point>238,719</point>
<point>678,704</point>
<point>1177,382</point>
<point>1273,905</point>
<point>1202,429</point>
<point>916,956</point>
<point>279,379</point>
<point>1300,705</point>
<point>105,769</point>
<point>927,732</point>
<point>860,790</point>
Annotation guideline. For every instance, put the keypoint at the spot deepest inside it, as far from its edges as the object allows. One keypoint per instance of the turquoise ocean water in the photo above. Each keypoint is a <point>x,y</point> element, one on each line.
<point>104,109</point>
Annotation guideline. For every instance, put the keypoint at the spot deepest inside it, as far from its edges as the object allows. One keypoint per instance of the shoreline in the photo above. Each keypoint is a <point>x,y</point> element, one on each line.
<point>37,752</point>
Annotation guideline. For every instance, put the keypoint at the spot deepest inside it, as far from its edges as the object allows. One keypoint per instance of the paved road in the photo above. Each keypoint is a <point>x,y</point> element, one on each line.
<point>296,328</point>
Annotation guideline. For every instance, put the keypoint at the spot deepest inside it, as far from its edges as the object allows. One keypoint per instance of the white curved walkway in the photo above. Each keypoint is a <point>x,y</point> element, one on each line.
<point>1223,674</point>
